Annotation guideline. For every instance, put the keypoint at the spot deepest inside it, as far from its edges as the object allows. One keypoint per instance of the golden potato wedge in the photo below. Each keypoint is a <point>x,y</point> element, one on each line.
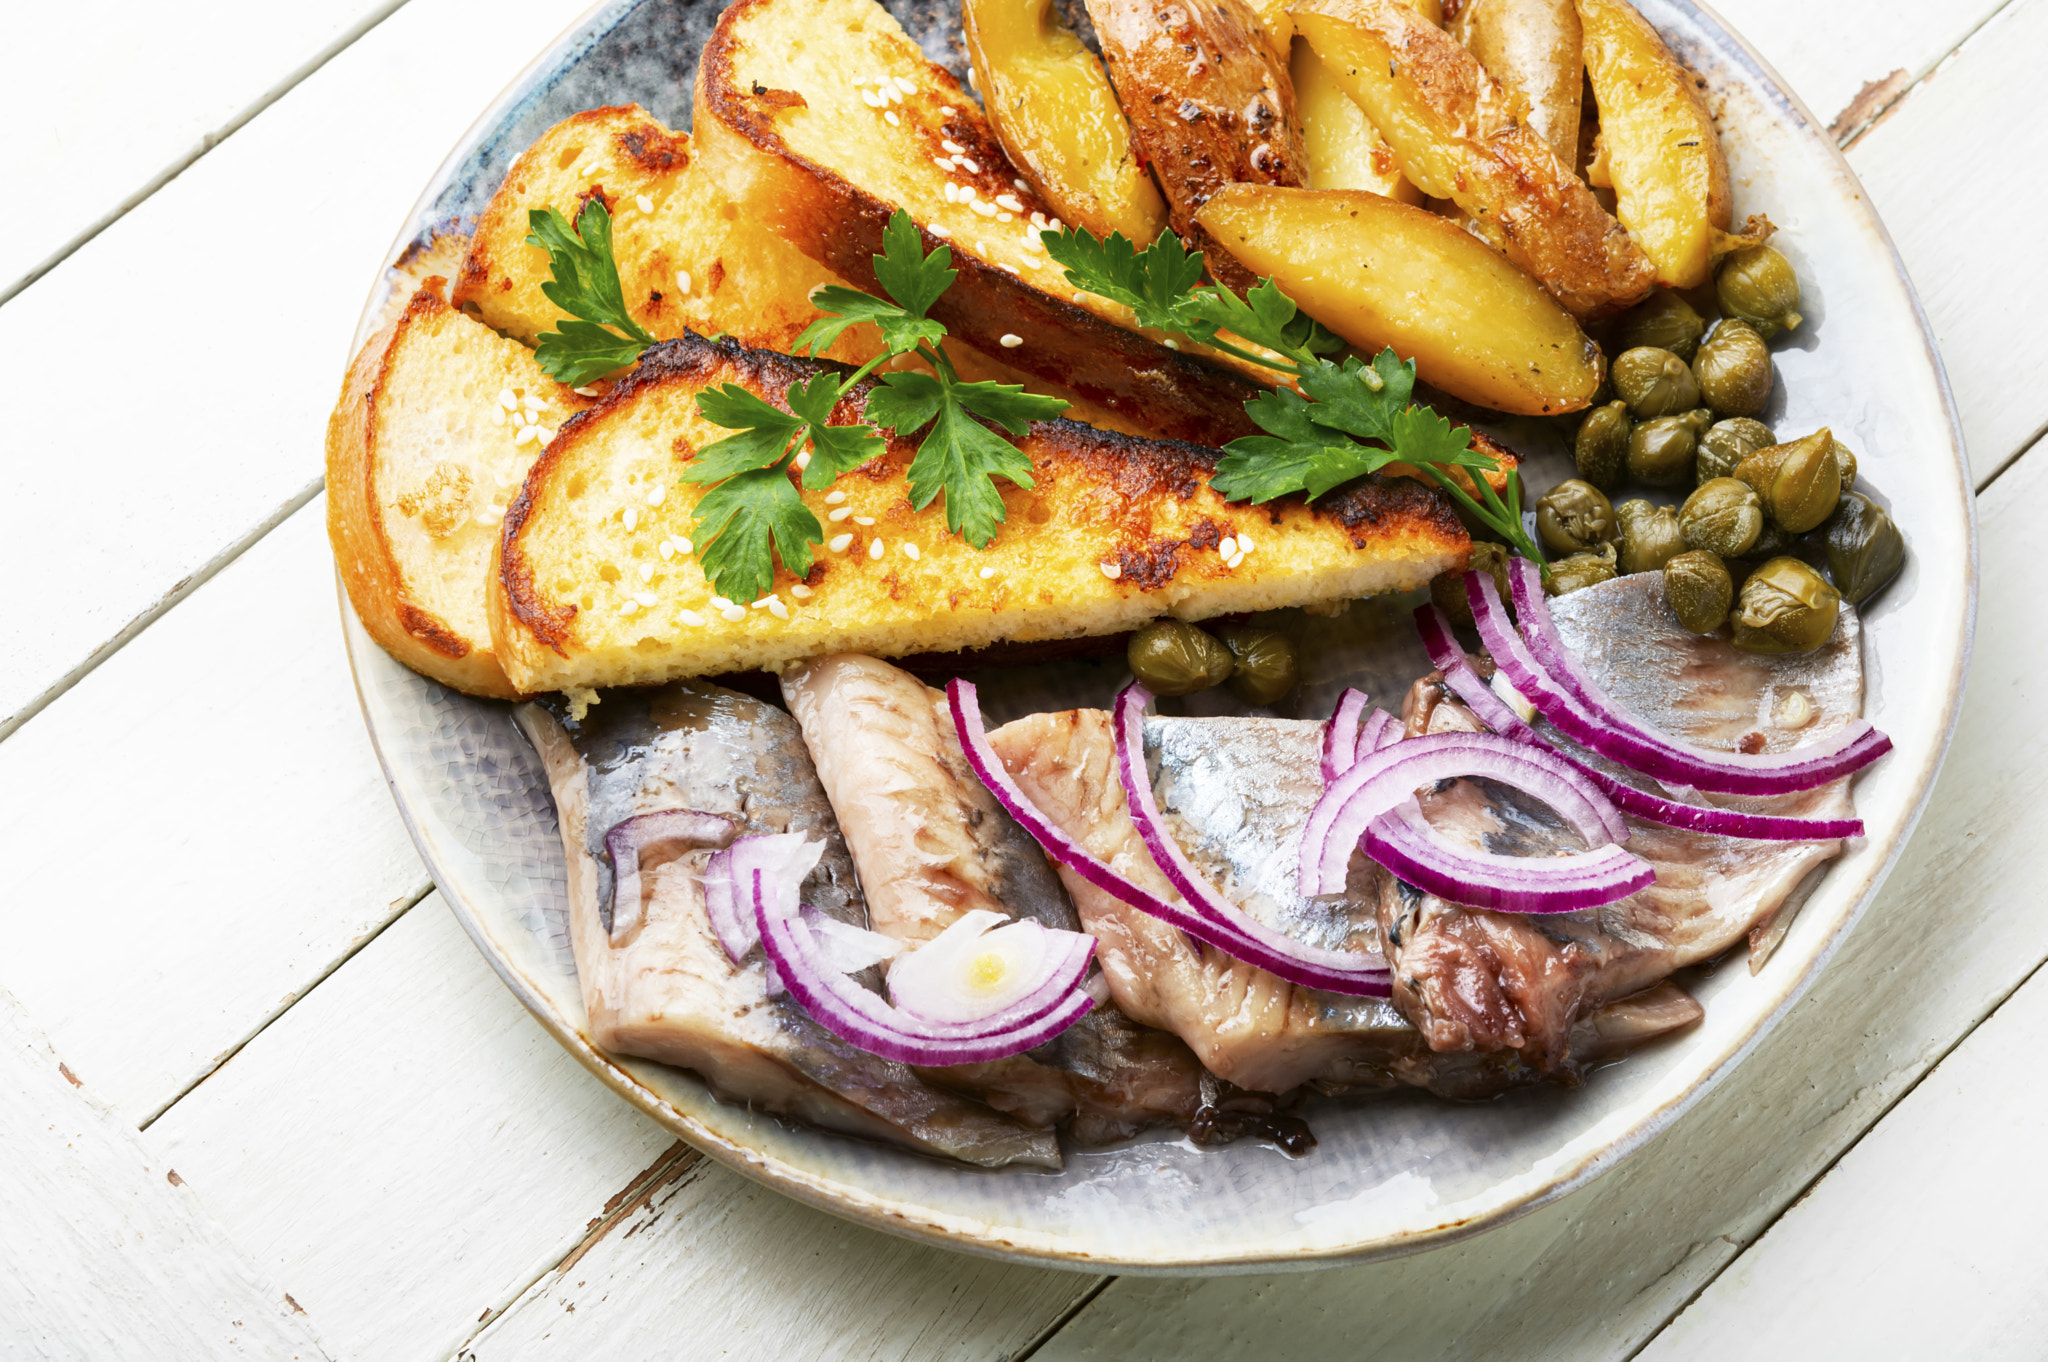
<point>1275,22</point>
<point>1210,103</point>
<point>1532,46</point>
<point>1459,135</point>
<point>1055,114</point>
<point>1658,141</point>
<point>1382,273</point>
<point>1344,150</point>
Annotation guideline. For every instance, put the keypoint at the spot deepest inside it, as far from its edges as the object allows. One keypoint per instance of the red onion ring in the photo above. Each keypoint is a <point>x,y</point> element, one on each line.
<point>1340,735</point>
<point>1403,841</point>
<point>787,857</point>
<point>628,838</point>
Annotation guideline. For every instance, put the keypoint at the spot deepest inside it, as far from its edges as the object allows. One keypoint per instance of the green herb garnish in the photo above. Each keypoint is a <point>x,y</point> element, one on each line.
<point>585,284</point>
<point>1315,439</point>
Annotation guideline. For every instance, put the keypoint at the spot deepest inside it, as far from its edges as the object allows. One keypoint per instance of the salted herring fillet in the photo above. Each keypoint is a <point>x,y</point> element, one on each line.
<point>931,844</point>
<point>667,990</point>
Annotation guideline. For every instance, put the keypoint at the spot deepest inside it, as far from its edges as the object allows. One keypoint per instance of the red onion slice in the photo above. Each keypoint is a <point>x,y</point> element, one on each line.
<point>1606,728</point>
<point>1340,735</point>
<point>920,986</point>
<point>1294,962</point>
<point>625,842</point>
<point>1376,732</point>
<point>787,857</point>
<point>1403,841</point>
<point>1496,714</point>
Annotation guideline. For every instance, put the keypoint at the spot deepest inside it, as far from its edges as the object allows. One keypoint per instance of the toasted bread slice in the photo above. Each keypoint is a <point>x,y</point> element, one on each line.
<point>589,590</point>
<point>422,458</point>
<point>794,109</point>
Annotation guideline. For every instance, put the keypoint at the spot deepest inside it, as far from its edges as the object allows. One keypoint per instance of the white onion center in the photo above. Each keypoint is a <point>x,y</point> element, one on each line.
<point>977,967</point>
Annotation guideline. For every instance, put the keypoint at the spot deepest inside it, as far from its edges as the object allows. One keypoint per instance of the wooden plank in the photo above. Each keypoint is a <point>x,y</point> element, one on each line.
<point>1955,929</point>
<point>247,273</point>
<point>1981,120</point>
<point>105,101</point>
<point>406,1149</point>
<point>1923,1242</point>
<point>198,829</point>
<point>757,1274</point>
<point>106,1252</point>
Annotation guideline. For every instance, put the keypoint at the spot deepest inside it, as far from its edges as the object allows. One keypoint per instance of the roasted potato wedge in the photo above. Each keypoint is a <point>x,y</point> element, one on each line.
<point>1459,135</point>
<point>1659,146</point>
<point>1276,23</point>
<point>1344,150</point>
<point>1535,47</point>
<point>1055,114</point>
<point>1209,101</point>
<point>1382,273</point>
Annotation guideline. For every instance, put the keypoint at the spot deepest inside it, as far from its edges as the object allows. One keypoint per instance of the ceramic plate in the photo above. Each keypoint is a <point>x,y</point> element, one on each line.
<point>1392,1174</point>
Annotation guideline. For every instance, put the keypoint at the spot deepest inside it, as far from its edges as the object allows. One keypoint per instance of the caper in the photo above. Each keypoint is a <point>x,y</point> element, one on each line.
<point>1581,570</point>
<point>1724,517</point>
<point>1728,443</point>
<point>1574,516</point>
<point>1845,459</point>
<point>1698,589</point>
<point>1266,667</point>
<point>1785,607</point>
<point>1865,548</point>
<point>1663,320</point>
<point>1660,451</point>
<point>1447,589</point>
<point>1654,382</point>
<point>1733,369</point>
<point>1800,482</point>
<point>1601,449</point>
<point>1650,537</point>
<point>1759,285</point>
<point>1172,657</point>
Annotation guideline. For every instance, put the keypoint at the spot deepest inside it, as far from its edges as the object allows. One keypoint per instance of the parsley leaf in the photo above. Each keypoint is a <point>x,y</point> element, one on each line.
<point>741,517</point>
<point>1154,282</point>
<point>584,282</point>
<point>913,280</point>
<point>961,457</point>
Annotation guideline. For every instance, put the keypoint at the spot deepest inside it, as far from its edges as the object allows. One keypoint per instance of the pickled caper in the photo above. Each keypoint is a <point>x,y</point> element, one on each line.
<point>1845,459</point>
<point>1654,382</point>
<point>1266,667</point>
<point>1698,589</point>
<point>1447,589</point>
<point>1800,482</point>
<point>1574,516</point>
<point>1865,548</point>
<point>1581,570</point>
<point>1760,286</point>
<point>1663,320</point>
<point>1172,657</point>
<point>1733,369</point>
<point>1601,449</point>
<point>1660,451</point>
<point>1650,536</point>
<point>1728,443</point>
<point>1785,607</point>
<point>1723,516</point>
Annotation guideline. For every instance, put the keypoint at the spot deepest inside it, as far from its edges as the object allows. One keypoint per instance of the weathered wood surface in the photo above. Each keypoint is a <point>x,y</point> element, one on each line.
<point>105,1252</point>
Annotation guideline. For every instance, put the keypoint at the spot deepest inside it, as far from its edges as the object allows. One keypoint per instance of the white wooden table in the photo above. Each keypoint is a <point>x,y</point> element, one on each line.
<point>259,1097</point>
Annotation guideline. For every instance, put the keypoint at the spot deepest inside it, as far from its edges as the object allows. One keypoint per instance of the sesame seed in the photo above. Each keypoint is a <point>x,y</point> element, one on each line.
<point>947,111</point>
<point>1112,571</point>
<point>971,167</point>
<point>533,403</point>
<point>720,603</point>
<point>905,86</point>
<point>1171,343</point>
<point>839,542</point>
<point>953,147</point>
<point>762,604</point>
<point>952,192</point>
<point>520,418</point>
<point>1055,224</point>
<point>631,517</point>
<point>732,614</point>
<point>545,434</point>
<point>801,592</point>
<point>1244,543</point>
<point>683,282</point>
<point>1236,560</point>
<point>1031,240</point>
<point>647,573</point>
<point>835,498</point>
<point>1010,201</point>
<point>938,231</point>
<point>507,400</point>
<point>1022,186</point>
<point>683,545</point>
<point>942,163</point>
<point>893,121</point>
<point>987,210</point>
<point>1228,547</point>
<point>778,609</point>
<point>658,495</point>
<point>1037,219</point>
<point>585,392</point>
<point>875,550</point>
<point>1077,297</point>
<point>871,99</point>
<point>646,204</point>
<point>525,433</point>
<point>691,618</point>
<point>863,520</point>
<point>842,513</point>
<point>1006,217</point>
<point>1012,269</point>
<point>967,193</point>
<point>1011,340</point>
<point>910,551</point>
<point>802,460</point>
<point>628,606</point>
<point>666,549</point>
<point>987,573</point>
<point>648,600</point>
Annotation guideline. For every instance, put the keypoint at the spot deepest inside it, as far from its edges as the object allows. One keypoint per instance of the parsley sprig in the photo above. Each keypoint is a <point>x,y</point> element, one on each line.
<point>585,284</point>
<point>1315,439</point>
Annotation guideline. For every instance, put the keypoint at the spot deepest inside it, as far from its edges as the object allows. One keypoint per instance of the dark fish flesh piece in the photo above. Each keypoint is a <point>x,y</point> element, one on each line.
<point>931,844</point>
<point>1474,980</point>
<point>1236,794</point>
<point>666,990</point>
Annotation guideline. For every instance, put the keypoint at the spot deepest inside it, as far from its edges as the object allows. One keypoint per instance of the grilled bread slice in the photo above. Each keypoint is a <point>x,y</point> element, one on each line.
<point>591,591</point>
<point>822,117</point>
<point>423,455</point>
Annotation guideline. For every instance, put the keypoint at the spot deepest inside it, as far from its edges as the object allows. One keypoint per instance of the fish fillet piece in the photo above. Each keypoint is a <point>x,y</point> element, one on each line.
<point>667,990</point>
<point>931,844</point>
<point>1478,980</point>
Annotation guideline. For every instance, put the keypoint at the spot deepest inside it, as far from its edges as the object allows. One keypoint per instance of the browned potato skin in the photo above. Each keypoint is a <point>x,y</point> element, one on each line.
<point>1458,136</point>
<point>1381,273</point>
<point>1533,46</point>
<point>1210,103</point>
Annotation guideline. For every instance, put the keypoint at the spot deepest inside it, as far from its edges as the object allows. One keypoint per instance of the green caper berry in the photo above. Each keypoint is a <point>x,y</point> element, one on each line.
<point>1760,286</point>
<point>1724,517</point>
<point>1785,607</point>
<point>1864,547</point>
<point>1650,536</point>
<point>1601,449</point>
<point>1699,590</point>
<point>1654,382</point>
<point>1845,459</point>
<point>1800,482</point>
<point>1580,571</point>
<point>1173,657</point>
<point>1664,321</point>
<point>1267,668</point>
<point>1574,516</point>
<point>1660,451</point>
<point>1733,369</point>
<point>1728,443</point>
<point>1447,589</point>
